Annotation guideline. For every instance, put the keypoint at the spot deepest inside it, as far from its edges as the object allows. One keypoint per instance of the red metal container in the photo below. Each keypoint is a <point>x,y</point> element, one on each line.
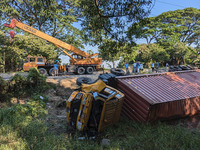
<point>161,96</point>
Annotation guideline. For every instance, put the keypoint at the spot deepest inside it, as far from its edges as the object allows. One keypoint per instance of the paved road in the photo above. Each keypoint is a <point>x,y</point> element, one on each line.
<point>7,76</point>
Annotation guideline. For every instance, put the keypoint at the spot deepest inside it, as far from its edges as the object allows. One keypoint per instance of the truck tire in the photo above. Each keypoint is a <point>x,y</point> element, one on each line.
<point>43,71</point>
<point>117,71</point>
<point>51,72</point>
<point>80,70</point>
<point>90,70</point>
<point>81,80</point>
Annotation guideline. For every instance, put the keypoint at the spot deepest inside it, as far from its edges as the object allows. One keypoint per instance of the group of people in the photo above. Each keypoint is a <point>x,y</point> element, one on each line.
<point>137,67</point>
<point>153,66</point>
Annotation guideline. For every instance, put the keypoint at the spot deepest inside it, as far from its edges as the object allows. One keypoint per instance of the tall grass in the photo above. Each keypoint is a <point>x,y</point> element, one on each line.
<point>160,136</point>
<point>24,127</point>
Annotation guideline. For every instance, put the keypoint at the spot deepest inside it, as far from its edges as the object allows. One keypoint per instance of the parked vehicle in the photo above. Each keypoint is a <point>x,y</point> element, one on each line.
<point>80,61</point>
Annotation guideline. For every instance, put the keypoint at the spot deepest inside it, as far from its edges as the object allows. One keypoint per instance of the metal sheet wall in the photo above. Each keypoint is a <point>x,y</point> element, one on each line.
<point>160,96</point>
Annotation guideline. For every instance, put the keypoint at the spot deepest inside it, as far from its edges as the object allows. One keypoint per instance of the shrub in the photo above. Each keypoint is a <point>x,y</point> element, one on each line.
<point>3,89</point>
<point>36,81</point>
<point>18,86</point>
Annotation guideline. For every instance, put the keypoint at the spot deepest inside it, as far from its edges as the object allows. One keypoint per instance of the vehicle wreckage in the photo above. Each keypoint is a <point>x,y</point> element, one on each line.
<point>94,106</point>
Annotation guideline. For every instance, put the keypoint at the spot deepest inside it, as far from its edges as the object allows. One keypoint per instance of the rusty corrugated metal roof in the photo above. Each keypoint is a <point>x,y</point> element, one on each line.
<point>160,96</point>
<point>164,87</point>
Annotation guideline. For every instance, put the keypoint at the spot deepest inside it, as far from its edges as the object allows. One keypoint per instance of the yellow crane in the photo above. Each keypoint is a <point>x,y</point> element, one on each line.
<point>80,61</point>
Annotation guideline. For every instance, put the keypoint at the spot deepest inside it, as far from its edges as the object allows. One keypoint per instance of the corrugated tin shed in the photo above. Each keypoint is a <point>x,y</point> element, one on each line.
<point>160,96</point>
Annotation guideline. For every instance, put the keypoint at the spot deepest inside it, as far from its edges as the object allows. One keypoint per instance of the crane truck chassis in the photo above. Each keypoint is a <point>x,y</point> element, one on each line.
<point>80,61</point>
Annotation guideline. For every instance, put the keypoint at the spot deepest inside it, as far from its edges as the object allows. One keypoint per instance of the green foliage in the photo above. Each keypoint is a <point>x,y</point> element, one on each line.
<point>152,53</point>
<point>195,58</point>
<point>159,136</point>
<point>34,46</point>
<point>37,82</point>
<point>19,123</point>
<point>21,127</point>
<point>172,26</point>
<point>175,31</point>
<point>179,53</point>
<point>3,89</point>
<point>108,17</point>
<point>109,51</point>
<point>112,51</point>
<point>129,52</point>
<point>18,86</point>
<point>53,16</point>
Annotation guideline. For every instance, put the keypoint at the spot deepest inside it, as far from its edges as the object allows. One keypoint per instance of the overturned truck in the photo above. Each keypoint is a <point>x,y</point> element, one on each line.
<point>94,106</point>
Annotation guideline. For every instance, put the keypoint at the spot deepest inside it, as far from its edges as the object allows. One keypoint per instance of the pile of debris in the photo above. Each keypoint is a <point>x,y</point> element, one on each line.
<point>94,106</point>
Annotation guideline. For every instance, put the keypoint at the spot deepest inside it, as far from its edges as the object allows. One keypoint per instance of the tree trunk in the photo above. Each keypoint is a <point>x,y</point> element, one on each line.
<point>12,64</point>
<point>178,61</point>
<point>4,62</point>
<point>113,62</point>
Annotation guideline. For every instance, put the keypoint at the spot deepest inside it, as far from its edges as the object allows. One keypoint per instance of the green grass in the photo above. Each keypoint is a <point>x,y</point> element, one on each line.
<point>25,127</point>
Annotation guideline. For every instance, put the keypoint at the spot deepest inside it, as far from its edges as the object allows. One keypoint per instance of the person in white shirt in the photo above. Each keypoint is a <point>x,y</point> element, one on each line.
<point>134,67</point>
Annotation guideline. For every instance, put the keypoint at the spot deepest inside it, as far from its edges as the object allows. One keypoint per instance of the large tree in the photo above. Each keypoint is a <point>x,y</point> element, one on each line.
<point>53,17</point>
<point>109,51</point>
<point>149,53</point>
<point>179,25</point>
<point>112,17</point>
<point>14,53</point>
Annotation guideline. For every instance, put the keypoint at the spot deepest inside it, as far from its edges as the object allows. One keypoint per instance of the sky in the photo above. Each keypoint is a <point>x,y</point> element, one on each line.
<point>160,6</point>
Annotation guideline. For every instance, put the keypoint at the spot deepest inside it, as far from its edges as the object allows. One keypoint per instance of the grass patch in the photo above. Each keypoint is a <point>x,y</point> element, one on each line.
<point>25,127</point>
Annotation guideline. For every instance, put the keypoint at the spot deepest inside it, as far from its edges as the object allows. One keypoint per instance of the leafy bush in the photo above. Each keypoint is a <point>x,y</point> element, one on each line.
<point>36,81</point>
<point>3,89</point>
<point>18,85</point>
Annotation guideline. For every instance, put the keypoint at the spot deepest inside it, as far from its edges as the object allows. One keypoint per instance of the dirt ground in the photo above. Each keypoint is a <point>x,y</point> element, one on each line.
<point>65,85</point>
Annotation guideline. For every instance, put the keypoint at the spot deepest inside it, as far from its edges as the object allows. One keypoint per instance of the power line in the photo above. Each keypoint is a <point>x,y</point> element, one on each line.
<point>170,4</point>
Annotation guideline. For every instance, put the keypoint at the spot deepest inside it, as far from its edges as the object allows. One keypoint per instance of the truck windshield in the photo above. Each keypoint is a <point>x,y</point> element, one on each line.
<point>39,59</point>
<point>32,59</point>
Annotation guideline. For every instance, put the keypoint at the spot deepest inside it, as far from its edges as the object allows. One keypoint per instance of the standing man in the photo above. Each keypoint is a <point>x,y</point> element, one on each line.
<point>138,67</point>
<point>134,67</point>
<point>152,67</point>
<point>167,66</point>
<point>56,68</point>
<point>157,66</point>
<point>141,66</point>
<point>126,66</point>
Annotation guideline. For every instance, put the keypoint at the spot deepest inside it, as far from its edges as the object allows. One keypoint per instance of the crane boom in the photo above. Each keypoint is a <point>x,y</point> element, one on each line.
<point>47,37</point>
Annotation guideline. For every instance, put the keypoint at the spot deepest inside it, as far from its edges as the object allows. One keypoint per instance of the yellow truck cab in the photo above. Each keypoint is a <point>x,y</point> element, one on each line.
<point>94,107</point>
<point>41,63</point>
<point>33,61</point>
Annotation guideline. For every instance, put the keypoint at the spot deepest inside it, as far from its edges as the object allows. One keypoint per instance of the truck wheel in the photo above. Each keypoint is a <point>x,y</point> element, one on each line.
<point>81,80</point>
<point>90,70</point>
<point>80,70</point>
<point>51,72</point>
<point>117,71</point>
<point>43,71</point>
